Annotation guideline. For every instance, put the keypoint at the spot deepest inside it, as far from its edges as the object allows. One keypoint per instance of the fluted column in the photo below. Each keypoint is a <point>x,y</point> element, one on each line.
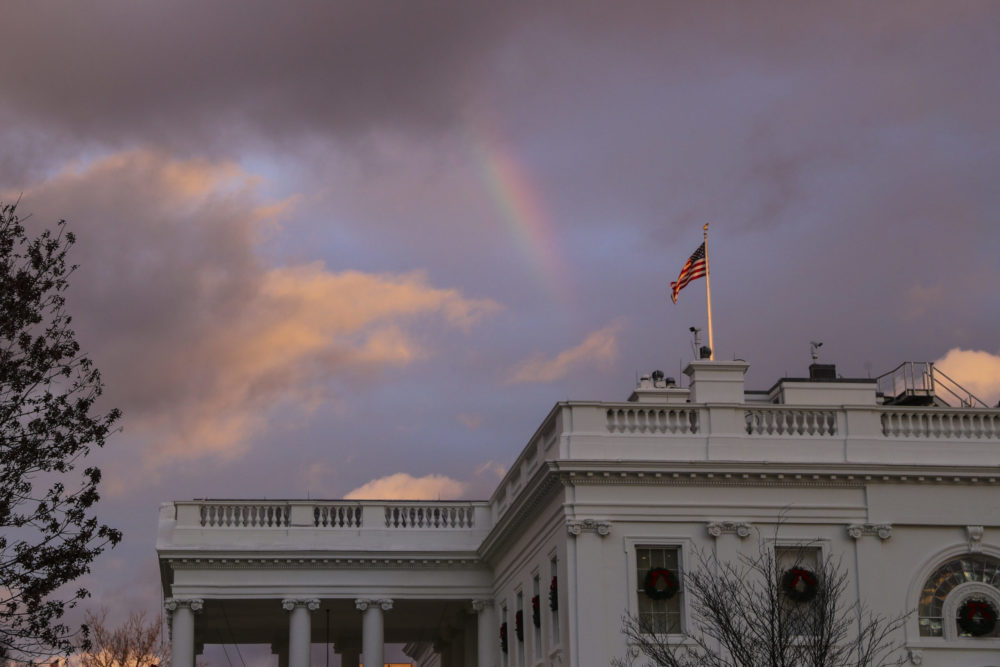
<point>182,611</point>
<point>373,629</point>
<point>299,630</point>
<point>486,635</point>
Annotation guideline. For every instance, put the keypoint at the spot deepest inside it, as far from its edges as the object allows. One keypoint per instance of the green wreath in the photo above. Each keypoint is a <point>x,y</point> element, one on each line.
<point>977,616</point>
<point>799,584</point>
<point>660,584</point>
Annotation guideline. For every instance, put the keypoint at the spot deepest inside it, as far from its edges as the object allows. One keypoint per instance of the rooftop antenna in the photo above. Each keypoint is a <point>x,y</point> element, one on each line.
<point>814,346</point>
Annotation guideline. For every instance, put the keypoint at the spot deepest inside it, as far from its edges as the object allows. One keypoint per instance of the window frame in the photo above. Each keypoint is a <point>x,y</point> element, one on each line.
<point>685,549</point>
<point>917,641</point>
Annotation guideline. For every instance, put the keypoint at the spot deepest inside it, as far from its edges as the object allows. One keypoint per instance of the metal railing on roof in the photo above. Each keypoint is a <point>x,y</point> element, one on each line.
<point>922,383</point>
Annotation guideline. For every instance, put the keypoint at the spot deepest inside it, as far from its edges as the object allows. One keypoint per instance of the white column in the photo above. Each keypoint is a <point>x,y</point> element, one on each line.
<point>299,630</point>
<point>588,605</point>
<point>182,613</point>
<point>372,630</point>
<point>486,636</point>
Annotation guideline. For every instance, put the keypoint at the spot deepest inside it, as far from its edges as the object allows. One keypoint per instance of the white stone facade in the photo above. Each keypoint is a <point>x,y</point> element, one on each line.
<point>899,494</point>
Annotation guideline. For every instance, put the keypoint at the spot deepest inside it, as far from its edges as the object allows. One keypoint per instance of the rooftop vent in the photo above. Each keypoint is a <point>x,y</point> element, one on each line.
<point>822,372</point>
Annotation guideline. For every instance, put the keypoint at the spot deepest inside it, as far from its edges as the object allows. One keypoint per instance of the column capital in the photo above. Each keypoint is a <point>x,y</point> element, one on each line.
<point>364,604</point>
<point>173,604</point>
<point>481,604</point>
<point>740,528</point>
<point>289,604</point>
<point>576,527</point>
<point>858,530</point>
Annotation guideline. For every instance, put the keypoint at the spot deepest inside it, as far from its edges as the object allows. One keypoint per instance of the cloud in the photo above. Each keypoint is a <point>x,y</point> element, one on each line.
<point>599,348</point>
<point>976,370</point>
<point>314,69</point>
<point>471,422</point>
<point>493,468</point>
<point>403,486</point>
<point>199,340</point>
<point>919,300</point>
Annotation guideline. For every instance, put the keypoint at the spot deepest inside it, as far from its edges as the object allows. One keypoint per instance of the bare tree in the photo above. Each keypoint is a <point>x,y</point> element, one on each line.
<point>135,643</point>
<point>761,612</point>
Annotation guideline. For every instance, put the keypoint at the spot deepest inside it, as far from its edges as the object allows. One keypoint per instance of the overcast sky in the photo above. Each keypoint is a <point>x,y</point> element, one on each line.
<point>336,249</point>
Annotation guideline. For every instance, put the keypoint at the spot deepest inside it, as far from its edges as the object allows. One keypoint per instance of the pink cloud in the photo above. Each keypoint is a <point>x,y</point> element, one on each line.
<point>598,349</point>
<point>199,340</point>
<point>403,486</point>
<point>976,370</point>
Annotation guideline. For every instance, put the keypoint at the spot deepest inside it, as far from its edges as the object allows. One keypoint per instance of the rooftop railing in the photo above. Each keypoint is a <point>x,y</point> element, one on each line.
<point>596,431</point>
<point>333,515</point>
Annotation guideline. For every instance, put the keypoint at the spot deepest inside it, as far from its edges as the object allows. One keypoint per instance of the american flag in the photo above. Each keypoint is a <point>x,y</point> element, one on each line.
<point>694,268</point>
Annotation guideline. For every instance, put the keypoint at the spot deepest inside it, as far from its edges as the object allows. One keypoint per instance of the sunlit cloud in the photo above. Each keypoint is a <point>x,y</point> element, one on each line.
<point>976,370</point>
<point>492,468</point>
<point>599,349</point>
<point>403,486</point>
<point>199,340</point>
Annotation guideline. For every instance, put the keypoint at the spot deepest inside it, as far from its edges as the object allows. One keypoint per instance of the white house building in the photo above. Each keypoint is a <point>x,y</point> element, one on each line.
<point>899,478</point>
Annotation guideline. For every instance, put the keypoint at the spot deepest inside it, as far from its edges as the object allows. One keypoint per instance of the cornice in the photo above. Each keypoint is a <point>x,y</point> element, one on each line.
<point>731,473</point>
<point>535,491</point>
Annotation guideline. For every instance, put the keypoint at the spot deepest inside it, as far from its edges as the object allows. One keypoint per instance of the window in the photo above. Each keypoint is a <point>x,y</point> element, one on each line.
<point>801,557</point>
<point>519,628</point>
<point>536,616</point>
<point>504,637</point>
<point>553,599</point>
<point>961,599</point>
<point>658,575</point>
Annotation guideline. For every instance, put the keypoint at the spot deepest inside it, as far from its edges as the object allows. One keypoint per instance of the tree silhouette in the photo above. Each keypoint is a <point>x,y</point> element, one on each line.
<point>48,424</point>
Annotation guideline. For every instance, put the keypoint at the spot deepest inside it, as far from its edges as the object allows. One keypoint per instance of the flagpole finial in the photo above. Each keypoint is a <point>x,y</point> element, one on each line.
<point>705,227</point>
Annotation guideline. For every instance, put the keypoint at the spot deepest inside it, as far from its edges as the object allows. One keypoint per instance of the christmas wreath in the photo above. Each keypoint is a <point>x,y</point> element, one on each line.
<point>519,625</point>
<point>799,584</point>
<point>536,612</point>
<point>503,637</point>
<point>660,584</point>
<point>554,595</point>
<point>977,617</point>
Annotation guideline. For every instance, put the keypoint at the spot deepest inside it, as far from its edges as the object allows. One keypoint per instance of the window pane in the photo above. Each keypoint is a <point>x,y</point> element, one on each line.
<point>659,616</point>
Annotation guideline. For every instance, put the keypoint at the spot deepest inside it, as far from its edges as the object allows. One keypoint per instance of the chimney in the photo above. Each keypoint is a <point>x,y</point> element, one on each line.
<point>716,381</point>
<point>822,372</point>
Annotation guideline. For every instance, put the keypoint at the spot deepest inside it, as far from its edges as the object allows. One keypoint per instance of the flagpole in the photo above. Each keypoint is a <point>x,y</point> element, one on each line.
<point>708,297</point>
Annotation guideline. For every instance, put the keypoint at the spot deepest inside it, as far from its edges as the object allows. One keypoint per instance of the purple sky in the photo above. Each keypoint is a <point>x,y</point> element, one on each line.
<point>364,247</point>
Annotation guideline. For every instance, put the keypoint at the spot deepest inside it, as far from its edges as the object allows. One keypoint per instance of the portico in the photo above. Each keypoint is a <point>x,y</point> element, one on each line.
<point>246,573</point>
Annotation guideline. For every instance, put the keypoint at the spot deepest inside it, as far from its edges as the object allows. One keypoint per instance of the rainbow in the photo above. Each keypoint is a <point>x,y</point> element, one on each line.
<point>520,205</point>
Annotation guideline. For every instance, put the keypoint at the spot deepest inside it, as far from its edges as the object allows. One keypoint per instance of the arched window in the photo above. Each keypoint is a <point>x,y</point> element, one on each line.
<point>962,599</point>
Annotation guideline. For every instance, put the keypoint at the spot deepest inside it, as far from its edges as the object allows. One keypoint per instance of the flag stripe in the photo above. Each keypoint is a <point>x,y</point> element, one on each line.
<point>694,268</point>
